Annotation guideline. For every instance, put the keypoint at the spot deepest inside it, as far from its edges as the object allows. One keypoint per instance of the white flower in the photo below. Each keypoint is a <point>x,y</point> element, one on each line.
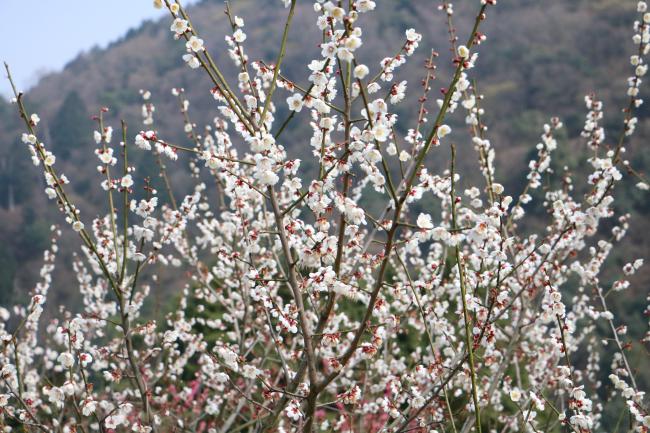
<point>268,178</point>
<point>170,336</point>
<point>179,26</point>
<point>361,71</point>
<point>29,139</point>
<point>77,226</point>
<point>440,234</point>
<point>373,88</point>
<point>373,156</point>
<point>350,397</point>
<point>497,188</point>
<point>293,411</point>
<point>380,132</point>
<point>463,52</point>
<point>352,43</point>
<point>66,359</point>
<point>35,119</point>
<point>295,102</point>
<point>68,388</point>
<point>229,357</point>
<point>142,142</point>
<point>51,193</point>
<point>49,159</point>
<point>424,221</point>
<point>365,5</point>
<point>221,377</point>
<point>344,54</point>
<point>397,93</point>
<point>106,157</point>
<point>413,36</point>
<point>239,36</point>
<point>607,315</point>
<point>353,213</point>
<point>328,49</point>
<point>195,44</point>
<point>244,77</point>
<point>515,395</point>
<point>85,358</point>
<point>469,103</point>
<point>191,61</point>
<point>266,142</point>
<point>443,130</point>
<point>88,407</point>
<point>56,396</point>
<point>113,421</point>
<point>250,372</point>
<point>264,171</point>
<point>127,181</point>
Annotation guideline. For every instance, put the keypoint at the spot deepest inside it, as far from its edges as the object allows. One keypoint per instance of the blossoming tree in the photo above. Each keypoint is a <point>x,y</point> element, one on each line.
<point>300,309</point>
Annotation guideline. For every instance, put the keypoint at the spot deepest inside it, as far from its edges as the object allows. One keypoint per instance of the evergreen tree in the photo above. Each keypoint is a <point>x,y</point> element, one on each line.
<point>7,274</point>
<point>70,125</point>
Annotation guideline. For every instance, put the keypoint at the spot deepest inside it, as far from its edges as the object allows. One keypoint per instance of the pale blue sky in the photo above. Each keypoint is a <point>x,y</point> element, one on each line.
<point>39,36</point>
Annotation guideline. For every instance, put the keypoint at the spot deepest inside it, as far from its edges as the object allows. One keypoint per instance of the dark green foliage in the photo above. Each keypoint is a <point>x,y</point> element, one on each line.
<point>13,188</point>
<point>7,273</point>
<point>71,126</point>
<point>35,238</point>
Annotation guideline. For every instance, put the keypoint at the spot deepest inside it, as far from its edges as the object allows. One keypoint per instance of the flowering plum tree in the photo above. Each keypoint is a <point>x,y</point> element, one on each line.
<point>301,310</point>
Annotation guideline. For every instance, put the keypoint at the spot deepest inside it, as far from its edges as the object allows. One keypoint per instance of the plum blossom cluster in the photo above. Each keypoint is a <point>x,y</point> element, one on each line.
<point>299,307</point>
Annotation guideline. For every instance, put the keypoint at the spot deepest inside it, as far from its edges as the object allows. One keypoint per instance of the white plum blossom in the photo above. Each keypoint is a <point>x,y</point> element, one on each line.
<point>66,359</point>
<point>264,171</point>
<point>51,193</point>
<point>424,221</point>
<point>361,71</point>
<point>179,26</point>
<point>192,61</point>
<point>295,102</point>
<point>443,131</point>
<point>463,52</point>
<point>381,132</point>
<point>127,181</point>
<point>239,36</point>
<point>195,44</point>
<point>343,269</point>
<point>515,395</point>
<point>49,159</point>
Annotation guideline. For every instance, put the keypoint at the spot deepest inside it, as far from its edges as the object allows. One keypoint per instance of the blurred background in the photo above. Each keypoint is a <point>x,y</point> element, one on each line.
<point>74,56</point>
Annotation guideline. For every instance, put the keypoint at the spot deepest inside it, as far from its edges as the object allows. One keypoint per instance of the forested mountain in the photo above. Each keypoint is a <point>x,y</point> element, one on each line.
<point>540,59</point>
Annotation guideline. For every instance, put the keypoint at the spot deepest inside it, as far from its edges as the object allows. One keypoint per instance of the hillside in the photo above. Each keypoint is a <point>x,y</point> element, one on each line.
<point>540,59</point>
